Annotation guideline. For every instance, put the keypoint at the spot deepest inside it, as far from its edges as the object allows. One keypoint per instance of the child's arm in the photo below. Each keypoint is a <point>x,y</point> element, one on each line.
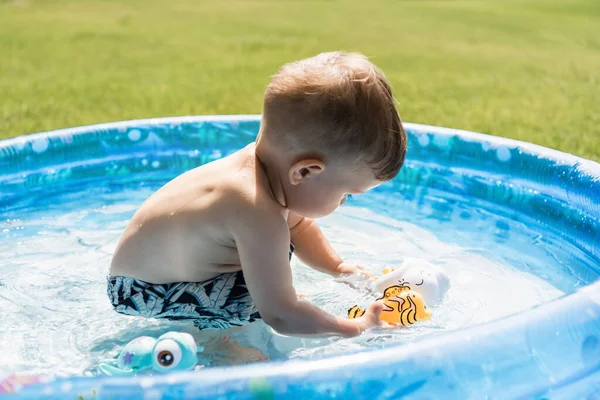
<point>262,240</point>
<point>313,248</point>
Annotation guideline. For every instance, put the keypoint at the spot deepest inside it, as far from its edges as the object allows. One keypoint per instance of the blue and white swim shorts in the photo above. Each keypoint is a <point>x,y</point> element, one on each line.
<point>221,302</point>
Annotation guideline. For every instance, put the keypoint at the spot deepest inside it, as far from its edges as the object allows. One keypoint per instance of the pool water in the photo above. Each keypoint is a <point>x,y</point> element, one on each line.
<point>56,246</point>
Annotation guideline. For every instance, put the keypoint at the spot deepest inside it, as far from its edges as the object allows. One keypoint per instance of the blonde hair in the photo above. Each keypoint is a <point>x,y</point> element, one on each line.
<point>338,105</point>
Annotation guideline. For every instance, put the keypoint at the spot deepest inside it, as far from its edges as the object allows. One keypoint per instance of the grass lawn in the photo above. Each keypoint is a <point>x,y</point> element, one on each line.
<point>526,69</point>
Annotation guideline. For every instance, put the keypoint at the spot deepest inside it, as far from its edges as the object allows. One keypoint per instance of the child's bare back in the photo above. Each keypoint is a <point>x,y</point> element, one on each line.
<point>214,244</point>
<point>182,233</point>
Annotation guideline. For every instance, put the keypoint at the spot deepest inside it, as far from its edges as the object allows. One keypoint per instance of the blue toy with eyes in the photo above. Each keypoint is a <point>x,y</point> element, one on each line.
<point>173,351</point>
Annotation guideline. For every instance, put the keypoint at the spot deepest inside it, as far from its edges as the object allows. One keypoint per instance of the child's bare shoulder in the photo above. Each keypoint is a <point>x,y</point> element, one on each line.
<point>247,196</point>
<point>250,191</point>
<point>229,188</point>
<point>240,187</point>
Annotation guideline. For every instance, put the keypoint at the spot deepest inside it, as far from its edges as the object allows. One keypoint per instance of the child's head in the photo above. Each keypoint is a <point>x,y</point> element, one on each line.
<point>333,129</point>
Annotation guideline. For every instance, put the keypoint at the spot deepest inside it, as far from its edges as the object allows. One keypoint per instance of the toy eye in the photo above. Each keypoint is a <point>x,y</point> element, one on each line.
<point>167,353</point>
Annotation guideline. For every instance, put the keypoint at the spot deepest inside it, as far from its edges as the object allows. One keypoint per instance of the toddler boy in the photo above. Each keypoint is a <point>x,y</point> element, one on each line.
<point>214,244</point>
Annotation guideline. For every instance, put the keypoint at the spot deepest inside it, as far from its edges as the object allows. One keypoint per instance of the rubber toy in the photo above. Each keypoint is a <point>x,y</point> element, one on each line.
<point>429,280</point>
<point>173,351</point>
<point>406,291</point>
<point>401,306</point>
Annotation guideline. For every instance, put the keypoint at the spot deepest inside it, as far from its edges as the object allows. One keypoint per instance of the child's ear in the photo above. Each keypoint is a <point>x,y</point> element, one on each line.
<point>305,169</point>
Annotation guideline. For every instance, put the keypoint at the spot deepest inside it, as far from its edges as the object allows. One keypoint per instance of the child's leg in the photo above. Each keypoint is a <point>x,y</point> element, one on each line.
<point>221,350</point>
<point>224,351</point>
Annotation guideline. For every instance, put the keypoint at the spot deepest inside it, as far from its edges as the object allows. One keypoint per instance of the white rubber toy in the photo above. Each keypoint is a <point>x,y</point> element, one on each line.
<point>429,280</point>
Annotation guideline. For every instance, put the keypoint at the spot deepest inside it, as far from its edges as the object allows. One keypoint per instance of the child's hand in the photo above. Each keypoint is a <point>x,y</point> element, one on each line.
<point>349,268</point>
<point>353,275</point>
<point>370,319</point>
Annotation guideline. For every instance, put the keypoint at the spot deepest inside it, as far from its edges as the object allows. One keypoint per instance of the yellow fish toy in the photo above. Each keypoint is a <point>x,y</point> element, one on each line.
<point>402,307</point>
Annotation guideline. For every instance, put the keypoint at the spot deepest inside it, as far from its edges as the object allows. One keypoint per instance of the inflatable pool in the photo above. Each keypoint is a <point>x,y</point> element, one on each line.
<point>550,351</point>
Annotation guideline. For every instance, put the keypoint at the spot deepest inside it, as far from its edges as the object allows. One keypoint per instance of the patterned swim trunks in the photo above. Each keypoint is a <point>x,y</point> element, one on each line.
<point>220,303</point>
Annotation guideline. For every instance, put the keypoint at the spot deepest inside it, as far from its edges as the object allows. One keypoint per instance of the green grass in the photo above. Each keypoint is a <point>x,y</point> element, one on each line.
<point>526,69</point>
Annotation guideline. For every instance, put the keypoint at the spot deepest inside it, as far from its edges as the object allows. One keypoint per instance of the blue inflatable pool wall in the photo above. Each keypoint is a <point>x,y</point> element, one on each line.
<point>551,351</point>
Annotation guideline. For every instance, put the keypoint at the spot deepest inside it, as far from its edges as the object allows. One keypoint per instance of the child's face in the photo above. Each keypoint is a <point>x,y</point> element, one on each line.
<point>322,193</point>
